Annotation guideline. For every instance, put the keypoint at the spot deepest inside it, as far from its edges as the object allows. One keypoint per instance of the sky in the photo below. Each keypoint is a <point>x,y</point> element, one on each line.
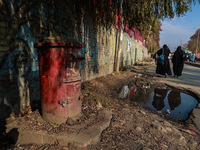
<point>177,31</point>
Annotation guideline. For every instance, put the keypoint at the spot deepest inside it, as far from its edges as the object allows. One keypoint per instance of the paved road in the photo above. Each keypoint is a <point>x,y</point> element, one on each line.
<point>190,80</point>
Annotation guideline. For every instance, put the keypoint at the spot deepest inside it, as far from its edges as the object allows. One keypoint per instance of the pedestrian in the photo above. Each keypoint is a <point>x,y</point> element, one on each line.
<point>163,66</point>
<point>174,99</point>
<point>178,62</point>
<point>155,56</point>
<point>195,58</point>
<point>192,58</point>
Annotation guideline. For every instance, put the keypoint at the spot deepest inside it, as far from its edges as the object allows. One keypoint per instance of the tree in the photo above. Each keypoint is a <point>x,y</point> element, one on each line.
<point>192,43</point>
<point>141,14</point>
<point>184,47</point>
<point>136,13</point>
<point>153,37</point>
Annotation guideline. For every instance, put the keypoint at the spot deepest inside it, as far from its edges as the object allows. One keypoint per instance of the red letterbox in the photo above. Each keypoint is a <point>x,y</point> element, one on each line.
<point>60,80</point>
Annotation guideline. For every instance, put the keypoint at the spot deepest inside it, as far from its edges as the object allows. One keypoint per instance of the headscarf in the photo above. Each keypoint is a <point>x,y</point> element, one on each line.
<point>165,47</point>
<point>166,50</point>
<point>178,49</point>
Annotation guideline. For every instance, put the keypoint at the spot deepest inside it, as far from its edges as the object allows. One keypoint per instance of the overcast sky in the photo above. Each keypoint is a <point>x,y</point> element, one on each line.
<point>179,30</point>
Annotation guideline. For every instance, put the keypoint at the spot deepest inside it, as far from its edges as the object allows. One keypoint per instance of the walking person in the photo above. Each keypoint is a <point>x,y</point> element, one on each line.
<point>163,66</point>
<point>178,62</point>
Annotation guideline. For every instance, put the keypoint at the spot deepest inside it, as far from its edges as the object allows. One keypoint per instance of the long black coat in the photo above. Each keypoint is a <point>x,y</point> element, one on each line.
<point>164,68</point>
<point>178,61</point>
<point>158,98</point>
<point>174,99</point>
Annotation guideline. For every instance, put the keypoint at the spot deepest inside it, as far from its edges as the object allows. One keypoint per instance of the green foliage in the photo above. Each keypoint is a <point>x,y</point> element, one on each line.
<point>141,14</point>
<point>136,13</point>
<point>152,45</point>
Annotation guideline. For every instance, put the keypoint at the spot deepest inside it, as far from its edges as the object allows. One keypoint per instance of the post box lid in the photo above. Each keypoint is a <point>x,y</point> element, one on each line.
<point>58,42</point>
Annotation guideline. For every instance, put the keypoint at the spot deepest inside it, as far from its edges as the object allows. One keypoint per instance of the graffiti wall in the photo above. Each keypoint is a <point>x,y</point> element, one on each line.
<point>23,23</point>
<point>19,82</point>
<point>99,51</point>
<point>128,50</point>
<point>132,51</point>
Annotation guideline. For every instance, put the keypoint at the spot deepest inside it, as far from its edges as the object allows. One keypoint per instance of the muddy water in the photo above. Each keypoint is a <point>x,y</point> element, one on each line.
<point>178,104</point>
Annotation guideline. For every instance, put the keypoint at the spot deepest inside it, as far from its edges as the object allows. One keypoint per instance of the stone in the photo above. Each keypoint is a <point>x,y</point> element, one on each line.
<point>156,122</point>
<point>70,122</point>
<point>182,140</point>
<point>162,129</point>
<point>176,131</point>
<point>122,122</point>
<point>99,105</point>
<point>65,148</point>
<point>166,123</point>
<point>167,111</point>
<point>145,148</point>
<point>159,112</point>
<point>168,129</point>
<point>138,129</point>
<point>192,143</point>
<point>142,112</point>
<point>159,127</point>
<point>140,141</point>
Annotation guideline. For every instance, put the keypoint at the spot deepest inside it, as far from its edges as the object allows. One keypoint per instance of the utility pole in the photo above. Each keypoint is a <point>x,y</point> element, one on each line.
<point>149,31</point>
<point>181,41</point>
<point>197,41</point>
<point>120,31</point>
<point>118,51</point>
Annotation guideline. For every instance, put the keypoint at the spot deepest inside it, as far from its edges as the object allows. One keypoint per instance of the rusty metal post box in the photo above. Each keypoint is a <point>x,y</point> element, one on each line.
<point>60,80</point>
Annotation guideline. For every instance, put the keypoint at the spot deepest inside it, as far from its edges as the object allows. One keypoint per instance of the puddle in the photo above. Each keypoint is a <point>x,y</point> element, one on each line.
<point>179,104</point>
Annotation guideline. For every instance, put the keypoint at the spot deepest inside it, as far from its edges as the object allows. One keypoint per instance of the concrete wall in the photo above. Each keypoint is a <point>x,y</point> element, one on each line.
<point>19,70</point>
<point>132,51</point>
<point>99,53</point>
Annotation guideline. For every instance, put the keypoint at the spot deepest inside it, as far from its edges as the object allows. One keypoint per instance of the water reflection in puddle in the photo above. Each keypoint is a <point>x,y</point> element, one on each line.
<point>179,104</point>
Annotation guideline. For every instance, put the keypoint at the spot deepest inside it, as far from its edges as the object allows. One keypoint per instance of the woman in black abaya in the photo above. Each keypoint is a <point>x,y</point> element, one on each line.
<point>164,68</point>
<point>174,99</point>
<point>158,98</point>
<point>178,62</point>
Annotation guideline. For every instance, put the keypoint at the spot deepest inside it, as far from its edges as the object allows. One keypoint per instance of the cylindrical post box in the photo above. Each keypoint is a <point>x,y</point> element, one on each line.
<point>60,80</point>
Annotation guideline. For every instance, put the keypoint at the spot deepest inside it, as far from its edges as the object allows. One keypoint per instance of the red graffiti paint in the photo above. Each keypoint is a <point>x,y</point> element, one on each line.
<point>132,91</point>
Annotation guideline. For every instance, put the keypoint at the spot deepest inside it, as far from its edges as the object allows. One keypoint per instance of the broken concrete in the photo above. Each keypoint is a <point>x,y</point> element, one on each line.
<point>196,118</point>
<point>82,138</point>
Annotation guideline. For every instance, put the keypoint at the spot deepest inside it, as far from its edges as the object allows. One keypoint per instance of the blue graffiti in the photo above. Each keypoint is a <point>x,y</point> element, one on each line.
<point>93,44</point>
<point>21,57</point>
<point>83,52</point>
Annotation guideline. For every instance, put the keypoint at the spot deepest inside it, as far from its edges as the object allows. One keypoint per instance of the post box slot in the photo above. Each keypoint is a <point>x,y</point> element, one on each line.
<point>67,80</point>
<point>77,55</point>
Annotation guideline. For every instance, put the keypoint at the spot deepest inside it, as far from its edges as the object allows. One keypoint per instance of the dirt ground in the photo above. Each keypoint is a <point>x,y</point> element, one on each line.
<point>132,126</point>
